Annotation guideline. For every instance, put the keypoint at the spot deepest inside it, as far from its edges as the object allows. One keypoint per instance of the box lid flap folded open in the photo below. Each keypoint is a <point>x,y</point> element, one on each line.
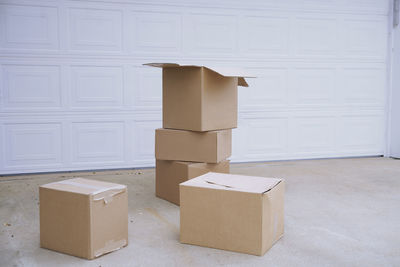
<point>233,182</point>
<point>224,71</point>
<point>86,186</point>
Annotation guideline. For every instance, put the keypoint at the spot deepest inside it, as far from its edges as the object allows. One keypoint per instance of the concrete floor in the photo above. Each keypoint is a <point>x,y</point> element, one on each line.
<point>339,212</point>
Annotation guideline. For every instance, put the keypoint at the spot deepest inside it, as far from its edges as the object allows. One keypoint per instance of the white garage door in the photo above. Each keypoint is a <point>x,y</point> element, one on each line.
<point>74,95</point>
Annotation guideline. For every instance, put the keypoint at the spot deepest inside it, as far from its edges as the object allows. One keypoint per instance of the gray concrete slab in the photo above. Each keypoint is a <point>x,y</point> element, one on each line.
<point>339,212</point>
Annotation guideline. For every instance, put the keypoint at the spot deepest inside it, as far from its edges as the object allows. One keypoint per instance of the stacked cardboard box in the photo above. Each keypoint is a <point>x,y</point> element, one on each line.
<point>199,112</point>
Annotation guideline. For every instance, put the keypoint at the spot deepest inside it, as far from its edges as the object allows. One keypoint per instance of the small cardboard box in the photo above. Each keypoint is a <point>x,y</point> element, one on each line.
<point>210,147</point>
<point>232,212</point>
<point>83,218</point>
<point>170,173</point>
<point>200,98</point>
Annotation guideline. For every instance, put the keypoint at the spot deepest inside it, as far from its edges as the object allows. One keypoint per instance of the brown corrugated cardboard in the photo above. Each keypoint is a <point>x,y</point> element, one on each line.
<point>200,98</point>
<point>232,212</point>
<point>170,173</point>
<point>82,217</point>
<point>210,147</point>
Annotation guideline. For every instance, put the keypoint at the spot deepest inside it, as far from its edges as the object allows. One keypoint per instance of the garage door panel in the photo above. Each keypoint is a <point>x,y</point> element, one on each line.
<point>96,86</point>
<point>380,7</point>
<point>265,137</point>
<point>270,89</point>
<point>315,35</point>
<point>95,30</point>
<point>26,87</point>
<point>308,134</point>
<point>29,27</point>
<point>32,144</point>
<point>147,84</point>
<point>155,32</point>
<point>311,86</point>
<point>362,86</point>
<point>323,86</point>
<point>210,34</point>
<point>144,139</point>
<point>312,135</point>
<point>264,35</point>
<point>71,72</point>
<point>365,37</point>
<point>361,134</point>
<point>97,142</point>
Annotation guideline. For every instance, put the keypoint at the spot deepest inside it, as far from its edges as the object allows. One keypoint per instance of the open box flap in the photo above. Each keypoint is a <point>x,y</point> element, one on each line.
<point>233,182</point>
<point>224,71</point>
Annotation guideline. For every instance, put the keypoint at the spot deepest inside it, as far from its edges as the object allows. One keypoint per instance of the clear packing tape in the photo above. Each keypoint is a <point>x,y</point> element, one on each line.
<point>105,193</point>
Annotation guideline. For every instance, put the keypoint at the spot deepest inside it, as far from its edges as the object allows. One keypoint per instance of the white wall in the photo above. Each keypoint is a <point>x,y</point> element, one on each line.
<point>75,96</point>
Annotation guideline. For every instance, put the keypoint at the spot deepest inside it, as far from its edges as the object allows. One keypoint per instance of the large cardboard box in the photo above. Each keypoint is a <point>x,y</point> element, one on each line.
<point>200,98</point>
<point>232,212</point>
<point>82,217</point>
<point>210,147</point>
<point>170,173</point>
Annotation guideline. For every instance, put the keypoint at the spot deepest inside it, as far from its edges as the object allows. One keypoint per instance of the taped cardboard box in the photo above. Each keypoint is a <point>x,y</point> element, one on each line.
<point>210,147</point>
<point>170,173</point>
<point>232,212</point>
<point>83,218</point>
<point>200,98</point>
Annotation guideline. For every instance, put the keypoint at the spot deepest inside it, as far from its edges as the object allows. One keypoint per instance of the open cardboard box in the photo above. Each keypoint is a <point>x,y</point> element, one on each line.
<point>200,98</point>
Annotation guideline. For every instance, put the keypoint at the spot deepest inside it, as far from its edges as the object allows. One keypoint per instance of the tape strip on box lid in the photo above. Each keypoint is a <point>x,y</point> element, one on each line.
<point>101,192</point>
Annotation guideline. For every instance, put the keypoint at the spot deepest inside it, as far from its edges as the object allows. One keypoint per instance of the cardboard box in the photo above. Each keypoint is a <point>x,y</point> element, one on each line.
<point>200,98</point>
<point>170,173</point>
<point>210,147</point>
<point>84,218</point>
<point>232,212</point>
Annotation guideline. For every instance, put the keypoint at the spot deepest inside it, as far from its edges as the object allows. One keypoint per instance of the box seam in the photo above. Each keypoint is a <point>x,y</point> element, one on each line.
<point>262,224</point>
<point>201,98</point>
<point>90,221</point>
<point>217,147</point>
